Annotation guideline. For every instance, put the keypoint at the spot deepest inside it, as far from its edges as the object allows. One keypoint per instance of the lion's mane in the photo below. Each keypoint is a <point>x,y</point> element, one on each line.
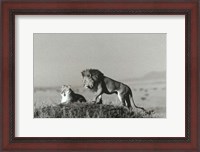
<point>93,76</point>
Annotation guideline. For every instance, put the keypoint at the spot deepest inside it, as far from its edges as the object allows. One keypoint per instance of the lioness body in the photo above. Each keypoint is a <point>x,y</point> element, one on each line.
<point>68,95</point>
<point>96,81</point>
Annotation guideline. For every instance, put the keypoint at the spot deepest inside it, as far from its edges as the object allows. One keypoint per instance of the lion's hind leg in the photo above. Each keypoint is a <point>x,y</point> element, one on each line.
<point>128,102</point>
<point>122,99</point>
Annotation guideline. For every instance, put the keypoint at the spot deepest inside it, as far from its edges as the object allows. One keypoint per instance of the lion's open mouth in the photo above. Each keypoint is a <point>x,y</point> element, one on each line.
<point>89,87</point>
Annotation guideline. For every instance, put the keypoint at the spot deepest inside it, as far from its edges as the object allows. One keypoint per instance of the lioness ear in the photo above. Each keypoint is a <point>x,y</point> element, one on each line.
<point>82,73</point>
<point>69,86</point>
<point>63,86</point>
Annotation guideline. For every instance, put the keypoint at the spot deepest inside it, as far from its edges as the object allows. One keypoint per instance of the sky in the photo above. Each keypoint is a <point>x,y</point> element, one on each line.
<point>59,58</point>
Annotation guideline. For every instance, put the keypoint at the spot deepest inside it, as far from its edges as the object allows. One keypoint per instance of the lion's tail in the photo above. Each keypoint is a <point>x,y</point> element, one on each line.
<point>131,98</point>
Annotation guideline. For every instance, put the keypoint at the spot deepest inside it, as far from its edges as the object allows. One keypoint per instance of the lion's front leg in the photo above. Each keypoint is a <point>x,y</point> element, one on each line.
<point>98,99</point>
<point>98,96</point>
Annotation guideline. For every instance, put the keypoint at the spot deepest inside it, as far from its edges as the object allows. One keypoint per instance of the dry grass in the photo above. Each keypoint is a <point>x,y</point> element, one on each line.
<point>87,110</point>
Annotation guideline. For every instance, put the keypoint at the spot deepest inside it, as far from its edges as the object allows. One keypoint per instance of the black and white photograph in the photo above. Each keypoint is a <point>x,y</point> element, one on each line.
<point>99,75</point>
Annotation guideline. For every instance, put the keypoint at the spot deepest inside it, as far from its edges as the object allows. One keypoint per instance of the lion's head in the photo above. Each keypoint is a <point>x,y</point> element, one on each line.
<point>91,78</point>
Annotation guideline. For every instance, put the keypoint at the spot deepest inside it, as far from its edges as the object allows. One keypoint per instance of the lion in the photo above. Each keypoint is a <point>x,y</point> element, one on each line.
<point>95,81</point>
<point>68,95</point>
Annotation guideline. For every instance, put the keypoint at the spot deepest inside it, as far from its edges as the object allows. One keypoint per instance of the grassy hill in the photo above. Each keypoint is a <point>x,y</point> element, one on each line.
<point>87,110</point>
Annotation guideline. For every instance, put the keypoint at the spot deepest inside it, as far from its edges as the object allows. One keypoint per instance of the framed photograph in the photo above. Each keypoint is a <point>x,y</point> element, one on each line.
<point>86,76</point>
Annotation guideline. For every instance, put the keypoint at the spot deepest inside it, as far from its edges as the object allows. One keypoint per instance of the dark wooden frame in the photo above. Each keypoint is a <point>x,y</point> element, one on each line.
<point>11,8</point>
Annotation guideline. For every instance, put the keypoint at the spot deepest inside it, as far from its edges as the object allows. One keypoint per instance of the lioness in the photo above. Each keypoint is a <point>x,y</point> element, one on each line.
<point>68,95</point>
<point>95,80</point>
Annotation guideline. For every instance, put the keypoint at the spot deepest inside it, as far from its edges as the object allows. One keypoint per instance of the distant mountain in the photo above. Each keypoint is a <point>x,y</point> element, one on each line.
<point>155,75</point>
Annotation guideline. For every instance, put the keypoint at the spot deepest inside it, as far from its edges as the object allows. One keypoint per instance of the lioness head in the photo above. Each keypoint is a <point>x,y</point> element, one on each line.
<point>91,77</point>
<point>65,92</point>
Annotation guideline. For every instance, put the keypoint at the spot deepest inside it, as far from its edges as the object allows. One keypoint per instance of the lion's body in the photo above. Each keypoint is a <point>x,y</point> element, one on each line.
<point>68,95</point>
<point>98,83</point>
